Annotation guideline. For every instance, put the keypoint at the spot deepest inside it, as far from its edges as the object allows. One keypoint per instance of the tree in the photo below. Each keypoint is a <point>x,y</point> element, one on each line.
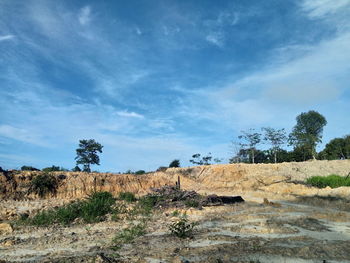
<point>76,169</point>
<point>174,164</point>
<point>276,138</point>
<point>197,159</point>
<point>87,153</point>
<point>250,140</point>
<point>338,148</point>
<point>308,131</point>
<point>29,168</point>
<point>53,168</point>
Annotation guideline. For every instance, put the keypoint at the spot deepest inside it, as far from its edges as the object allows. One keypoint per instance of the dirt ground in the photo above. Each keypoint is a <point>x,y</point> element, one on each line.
<point>295,223</point>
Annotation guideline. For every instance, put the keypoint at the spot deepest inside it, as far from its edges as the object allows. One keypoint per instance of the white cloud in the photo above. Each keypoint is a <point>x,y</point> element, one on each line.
<point>20,134</point>
<point>131,114</point>
<point>216,38</point>
<point>320,8</point>
<point>6,37</point>
<point>85,15</point>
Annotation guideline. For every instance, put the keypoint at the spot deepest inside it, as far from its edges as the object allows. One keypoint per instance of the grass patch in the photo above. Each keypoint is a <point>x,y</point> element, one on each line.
<point>192,203</point>
<point>332,181</point>
<point>129,234</point>
<point>91,210</point>
<point>127,196</point>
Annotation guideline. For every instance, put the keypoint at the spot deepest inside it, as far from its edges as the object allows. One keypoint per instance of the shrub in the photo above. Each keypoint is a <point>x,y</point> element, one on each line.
<point>97,205</point>
<point>28,168</point>
<point>182,228</point>
<point>93,209</point>
<point>52,169</point>
<point>140,172</point>
<point>332,181</point>
<point>42,184</point>
<point>127,196</point>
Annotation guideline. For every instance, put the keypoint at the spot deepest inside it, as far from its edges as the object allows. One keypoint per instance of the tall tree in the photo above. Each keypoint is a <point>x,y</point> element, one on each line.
<point>308,131</point>
<point>337,148</point>
<point>250,140</point>
<point>276,138</point>
<point>87,153</point>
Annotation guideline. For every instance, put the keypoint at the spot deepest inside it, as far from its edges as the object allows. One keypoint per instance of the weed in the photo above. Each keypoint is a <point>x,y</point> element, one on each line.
<point>93,209</point>
<point>192,203</point>
<point>182,228</point>
<point>127,196</point>
<point>175,213</point>
<point>129,234</point>
<point>42,184</point>
<point>332,181</point>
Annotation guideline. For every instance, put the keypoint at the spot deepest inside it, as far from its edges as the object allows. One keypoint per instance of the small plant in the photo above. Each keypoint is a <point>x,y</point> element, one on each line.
<point>175,213</point>
<point>192,203</point>
<point>129,234</point>
<point>182,228</point>
<point>43,184</point>
<point>127,196</point>
<point>332,181</point>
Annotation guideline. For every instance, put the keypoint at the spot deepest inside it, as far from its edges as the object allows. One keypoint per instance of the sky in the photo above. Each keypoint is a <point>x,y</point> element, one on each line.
<point>154,81</point>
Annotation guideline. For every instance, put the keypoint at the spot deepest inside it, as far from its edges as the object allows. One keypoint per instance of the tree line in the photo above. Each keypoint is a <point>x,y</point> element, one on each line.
<point>304,138</point>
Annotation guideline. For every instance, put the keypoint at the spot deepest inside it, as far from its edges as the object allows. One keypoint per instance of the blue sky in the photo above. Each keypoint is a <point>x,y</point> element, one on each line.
<point>157,80</point>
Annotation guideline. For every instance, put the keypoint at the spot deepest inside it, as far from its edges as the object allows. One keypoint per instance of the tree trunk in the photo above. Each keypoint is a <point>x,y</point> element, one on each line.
<point>275,156</point>
<point>253,161</point>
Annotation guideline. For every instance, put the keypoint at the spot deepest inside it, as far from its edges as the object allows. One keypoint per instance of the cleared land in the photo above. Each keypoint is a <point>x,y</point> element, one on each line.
<point>296,222</point>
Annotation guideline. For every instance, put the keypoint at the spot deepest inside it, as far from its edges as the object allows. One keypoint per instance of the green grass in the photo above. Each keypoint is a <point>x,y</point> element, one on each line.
<point>129,234</point>
<point>332,181</point>
<point>93,209</point>
<point>127,196</point>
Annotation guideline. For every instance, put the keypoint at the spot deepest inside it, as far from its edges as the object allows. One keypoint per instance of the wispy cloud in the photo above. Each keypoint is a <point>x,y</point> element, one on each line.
<point>85,15</point>
<point>128,114</point>
<point>6,37</point>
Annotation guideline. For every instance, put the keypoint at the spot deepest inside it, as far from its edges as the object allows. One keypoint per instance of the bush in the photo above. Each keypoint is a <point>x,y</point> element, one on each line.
<point>52,169</point>
<point>127,196</point>
<point>182,228</point>
<point>28,168</point>
<point>93,209</point>
<point>332,181</point>
<point>42,184</point>
<point>192,203</point>
<point>140,172</point>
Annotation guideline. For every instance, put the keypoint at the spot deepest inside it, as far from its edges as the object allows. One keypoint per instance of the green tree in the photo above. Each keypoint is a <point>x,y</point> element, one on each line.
<point>53,168</point>
<point>308,131</point>
<point>250,140</point>
<point>29,168</point>
<point>276,138</point>
<point>174,164</point>
<point>197,159</point>
<point>87,153</point>
<point>338,148</point>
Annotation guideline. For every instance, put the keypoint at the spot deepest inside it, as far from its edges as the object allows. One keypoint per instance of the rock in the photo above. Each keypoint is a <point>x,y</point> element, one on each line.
<point>5,229</point>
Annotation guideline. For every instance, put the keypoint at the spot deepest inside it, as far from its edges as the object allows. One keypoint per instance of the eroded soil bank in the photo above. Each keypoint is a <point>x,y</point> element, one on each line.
<point>298,223</point>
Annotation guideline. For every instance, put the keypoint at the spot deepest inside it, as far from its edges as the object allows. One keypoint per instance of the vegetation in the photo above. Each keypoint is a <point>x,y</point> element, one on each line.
<point>127,196</point>
<point>53,168</point>
<point>129,234</point>
<point>91,210</point>
<point>276,138</point>
<point>338,148</point>
<point>332,181</point>
<point>140,172</point>
<point>174,164</point>
<point>28,168</point>
<point>197,159</point>
<point>250,139</point>
<point>87,153</point>
<point>182,228</point>
<point>308,131</point>
<point>43,184</point>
